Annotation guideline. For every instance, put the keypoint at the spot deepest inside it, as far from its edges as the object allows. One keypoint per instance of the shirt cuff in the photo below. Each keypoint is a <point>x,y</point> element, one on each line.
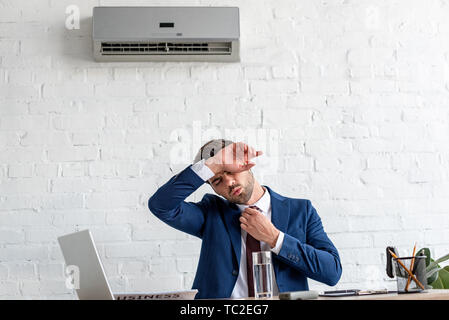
<point>203,171</point>
<point>279,242</point>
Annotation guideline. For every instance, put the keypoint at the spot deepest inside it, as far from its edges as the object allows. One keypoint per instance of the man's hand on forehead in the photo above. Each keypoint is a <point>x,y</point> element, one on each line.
<point>233,158</point>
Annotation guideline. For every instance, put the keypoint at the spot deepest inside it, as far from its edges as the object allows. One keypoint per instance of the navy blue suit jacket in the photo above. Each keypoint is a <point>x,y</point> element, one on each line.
<point>306,251</point>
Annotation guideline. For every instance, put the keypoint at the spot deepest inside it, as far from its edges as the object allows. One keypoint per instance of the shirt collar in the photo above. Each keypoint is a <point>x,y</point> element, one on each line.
<point>263,203</point>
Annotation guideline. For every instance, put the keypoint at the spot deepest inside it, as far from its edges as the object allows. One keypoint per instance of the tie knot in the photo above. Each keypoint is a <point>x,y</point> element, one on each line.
<point>255,207</point>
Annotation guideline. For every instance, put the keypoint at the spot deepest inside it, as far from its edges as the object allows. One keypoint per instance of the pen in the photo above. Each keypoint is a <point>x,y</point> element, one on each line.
<point>342,291</point>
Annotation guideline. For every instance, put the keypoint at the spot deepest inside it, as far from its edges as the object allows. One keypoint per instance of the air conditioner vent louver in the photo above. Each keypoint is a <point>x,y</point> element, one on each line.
<point>166,48</point>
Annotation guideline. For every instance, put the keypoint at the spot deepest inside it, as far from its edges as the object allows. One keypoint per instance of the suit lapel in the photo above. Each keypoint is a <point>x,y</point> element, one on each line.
<point>231,218</point>
<point>279,210</point>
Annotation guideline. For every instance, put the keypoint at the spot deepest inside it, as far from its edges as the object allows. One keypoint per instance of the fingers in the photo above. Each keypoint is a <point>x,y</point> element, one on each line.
<point>250,153</point>
<point>239,154</point>
<point>246,215</point>
<point>250,211</point>
<point>245,219</point>
<point>253,222</point>
<point>228,156</point>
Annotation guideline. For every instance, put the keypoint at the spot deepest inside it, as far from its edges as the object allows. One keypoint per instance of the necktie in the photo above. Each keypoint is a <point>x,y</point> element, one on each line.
<point>252,245</point>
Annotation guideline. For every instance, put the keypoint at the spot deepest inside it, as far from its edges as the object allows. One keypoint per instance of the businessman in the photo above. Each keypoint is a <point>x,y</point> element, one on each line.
<point>241,218</point>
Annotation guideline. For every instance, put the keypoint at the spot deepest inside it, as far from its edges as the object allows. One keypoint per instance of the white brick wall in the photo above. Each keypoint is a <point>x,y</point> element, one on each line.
<point>357,91</point>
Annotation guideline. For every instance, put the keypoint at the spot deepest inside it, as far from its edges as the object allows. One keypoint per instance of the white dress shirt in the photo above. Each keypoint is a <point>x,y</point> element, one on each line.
<point>264,204</point>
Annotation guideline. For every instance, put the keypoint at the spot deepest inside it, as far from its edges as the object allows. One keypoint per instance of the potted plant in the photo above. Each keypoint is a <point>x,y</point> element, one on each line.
<point>437,276</point>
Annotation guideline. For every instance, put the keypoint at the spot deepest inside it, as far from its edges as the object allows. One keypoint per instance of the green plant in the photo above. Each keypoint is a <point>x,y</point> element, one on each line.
<point>437,276</point>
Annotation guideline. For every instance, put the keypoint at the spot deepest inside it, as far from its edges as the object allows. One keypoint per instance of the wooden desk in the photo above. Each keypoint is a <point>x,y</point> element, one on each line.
<point>438,294</point>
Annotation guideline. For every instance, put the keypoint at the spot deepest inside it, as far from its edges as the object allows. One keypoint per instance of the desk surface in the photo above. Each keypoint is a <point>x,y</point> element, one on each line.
<point>438,294</point>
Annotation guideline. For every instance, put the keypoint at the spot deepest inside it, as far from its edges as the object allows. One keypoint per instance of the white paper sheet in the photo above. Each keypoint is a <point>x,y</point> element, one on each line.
<point>169,295</point>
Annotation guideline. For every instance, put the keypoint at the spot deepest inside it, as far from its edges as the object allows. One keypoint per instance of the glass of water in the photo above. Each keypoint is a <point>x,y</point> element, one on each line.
<point>262,275</point>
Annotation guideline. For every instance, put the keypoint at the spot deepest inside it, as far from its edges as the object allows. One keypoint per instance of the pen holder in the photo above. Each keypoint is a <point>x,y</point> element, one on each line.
<point>405,283</point>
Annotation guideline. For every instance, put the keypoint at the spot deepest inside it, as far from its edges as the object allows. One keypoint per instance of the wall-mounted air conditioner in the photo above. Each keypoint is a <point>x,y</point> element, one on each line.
<point>166,34</point>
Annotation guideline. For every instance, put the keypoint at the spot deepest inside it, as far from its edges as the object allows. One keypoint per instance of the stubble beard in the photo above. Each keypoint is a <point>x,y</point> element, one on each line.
<point>245,194</point>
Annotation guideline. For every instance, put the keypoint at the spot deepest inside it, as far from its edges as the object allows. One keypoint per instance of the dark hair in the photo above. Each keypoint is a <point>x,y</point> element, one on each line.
<point>210,148</point>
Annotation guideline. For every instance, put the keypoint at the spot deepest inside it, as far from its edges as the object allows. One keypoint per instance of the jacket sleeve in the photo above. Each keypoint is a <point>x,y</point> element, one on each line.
<point>168,204</point>
<point>318,258</point>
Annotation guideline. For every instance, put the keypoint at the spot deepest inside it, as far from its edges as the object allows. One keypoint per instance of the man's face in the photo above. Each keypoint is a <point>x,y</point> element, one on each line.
<point>235,187</point>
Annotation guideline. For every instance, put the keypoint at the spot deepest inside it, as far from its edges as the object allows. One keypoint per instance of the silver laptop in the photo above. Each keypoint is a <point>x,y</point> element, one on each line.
<point>79,251</point>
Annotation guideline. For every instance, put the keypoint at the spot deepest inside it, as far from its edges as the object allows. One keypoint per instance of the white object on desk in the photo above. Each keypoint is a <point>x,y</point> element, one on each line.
<point>79,250</point>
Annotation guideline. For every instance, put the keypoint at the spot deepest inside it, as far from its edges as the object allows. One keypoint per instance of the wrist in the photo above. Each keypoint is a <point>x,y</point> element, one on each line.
<point>212,164</point>
<point>275,238</point>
